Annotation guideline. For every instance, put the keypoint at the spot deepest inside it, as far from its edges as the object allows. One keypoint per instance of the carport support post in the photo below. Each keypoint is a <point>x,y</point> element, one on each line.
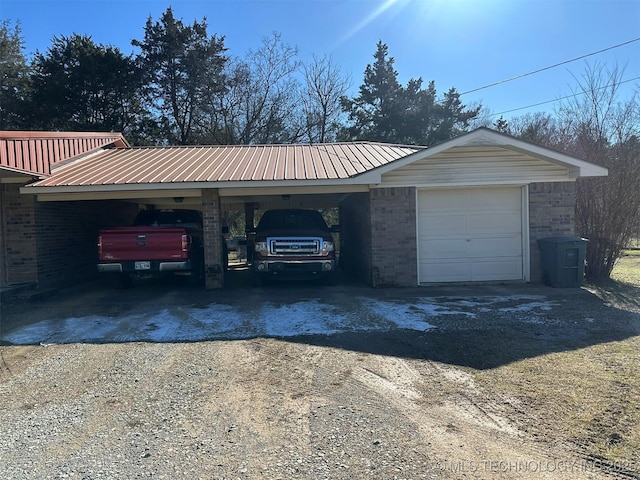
<point>212,237</point>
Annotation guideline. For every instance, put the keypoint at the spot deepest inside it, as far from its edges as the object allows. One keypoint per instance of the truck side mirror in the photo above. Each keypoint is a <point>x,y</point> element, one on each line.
<point>335,228</point>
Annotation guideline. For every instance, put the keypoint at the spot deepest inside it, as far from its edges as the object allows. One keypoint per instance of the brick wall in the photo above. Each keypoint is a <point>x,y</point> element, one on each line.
<point>551,214</point>
<point>355,236</point>
<point>393,242</point>
<point>53,244</point>
<point>66,238</point>
<point>19,237</point>
<point>212,233</point>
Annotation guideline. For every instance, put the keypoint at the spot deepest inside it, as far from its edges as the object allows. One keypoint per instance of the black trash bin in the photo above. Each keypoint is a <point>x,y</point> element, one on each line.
<point>562,261</point>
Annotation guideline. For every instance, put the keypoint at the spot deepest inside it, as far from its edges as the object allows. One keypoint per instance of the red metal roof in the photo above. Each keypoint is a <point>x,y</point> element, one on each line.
<point>36,152</point>
<point>240,163</point>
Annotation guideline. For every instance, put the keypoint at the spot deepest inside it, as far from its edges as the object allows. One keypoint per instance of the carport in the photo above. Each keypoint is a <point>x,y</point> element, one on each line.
<point>468,210</point>
<point>218,179</point>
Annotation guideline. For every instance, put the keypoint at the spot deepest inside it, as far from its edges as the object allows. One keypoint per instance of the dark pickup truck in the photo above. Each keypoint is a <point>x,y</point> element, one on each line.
<point>293,243</point>
<point>160,241</point>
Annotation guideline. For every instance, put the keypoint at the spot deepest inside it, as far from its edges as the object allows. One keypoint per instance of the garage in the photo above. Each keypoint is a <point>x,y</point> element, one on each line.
<point>471,235</point>
<point>470,209</point>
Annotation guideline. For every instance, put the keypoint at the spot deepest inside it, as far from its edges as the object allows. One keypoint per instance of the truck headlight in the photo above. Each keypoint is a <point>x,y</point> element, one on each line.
<point>327,247</point>
<point>261,247</point>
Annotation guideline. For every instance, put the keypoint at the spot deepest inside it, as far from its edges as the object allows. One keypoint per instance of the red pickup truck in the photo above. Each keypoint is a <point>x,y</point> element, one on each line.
<point>160,241</point>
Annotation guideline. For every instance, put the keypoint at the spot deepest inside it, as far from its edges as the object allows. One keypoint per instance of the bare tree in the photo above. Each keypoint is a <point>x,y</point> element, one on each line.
<point>539,128</point>
<point>604,130</point>
<point>325,85</point>
<point>259,104</point>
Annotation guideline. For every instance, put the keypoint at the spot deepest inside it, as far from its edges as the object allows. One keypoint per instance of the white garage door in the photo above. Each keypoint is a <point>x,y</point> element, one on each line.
<point>470,235</point>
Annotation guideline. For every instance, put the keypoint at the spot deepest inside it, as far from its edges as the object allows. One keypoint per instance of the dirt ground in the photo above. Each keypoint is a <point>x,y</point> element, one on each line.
<point>493,382</point>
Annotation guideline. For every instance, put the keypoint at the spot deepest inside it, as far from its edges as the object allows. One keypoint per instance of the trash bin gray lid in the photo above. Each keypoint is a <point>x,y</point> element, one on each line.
<point>562,239</point>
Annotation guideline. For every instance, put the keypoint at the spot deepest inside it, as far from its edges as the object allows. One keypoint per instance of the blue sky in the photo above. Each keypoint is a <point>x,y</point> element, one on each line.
<point>457,43</point>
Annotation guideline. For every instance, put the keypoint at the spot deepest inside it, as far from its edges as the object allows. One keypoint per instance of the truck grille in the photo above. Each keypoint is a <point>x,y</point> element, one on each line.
<point>294,246</point>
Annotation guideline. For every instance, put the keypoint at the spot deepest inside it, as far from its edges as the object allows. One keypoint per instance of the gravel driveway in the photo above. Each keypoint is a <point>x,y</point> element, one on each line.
<point>281,382</point>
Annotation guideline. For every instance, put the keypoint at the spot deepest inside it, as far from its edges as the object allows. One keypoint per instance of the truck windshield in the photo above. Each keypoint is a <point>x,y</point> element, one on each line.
<point>292,220</point>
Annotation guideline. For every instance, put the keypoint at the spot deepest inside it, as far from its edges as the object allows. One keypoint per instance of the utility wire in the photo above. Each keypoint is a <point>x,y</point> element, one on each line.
<point>550,67</point>
<point>558,99</point>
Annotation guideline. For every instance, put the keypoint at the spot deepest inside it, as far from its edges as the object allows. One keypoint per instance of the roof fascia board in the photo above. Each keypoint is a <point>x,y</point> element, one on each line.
<point>129,195</point>
<point>279,184</point>
<point>577,168</point>
<point>196,193</point>
<point>35,135</point>
<point>235,192</point>
<point>23,175</point>
<point>486,137</point>
<point>477,184</point>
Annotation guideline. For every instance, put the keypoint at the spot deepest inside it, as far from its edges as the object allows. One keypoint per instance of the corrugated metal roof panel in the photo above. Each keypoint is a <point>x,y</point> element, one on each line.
<point>161,165</point>
<point>37,152</point>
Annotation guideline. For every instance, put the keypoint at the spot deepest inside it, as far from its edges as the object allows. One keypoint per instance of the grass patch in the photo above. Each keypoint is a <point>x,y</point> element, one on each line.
<point>586,398</point>
<point>627,270</point>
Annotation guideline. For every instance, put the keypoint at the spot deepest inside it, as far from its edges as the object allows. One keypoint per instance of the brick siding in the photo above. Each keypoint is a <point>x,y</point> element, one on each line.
<point>66,238</point>
<point>551,214</point>
<point>19,236</point>
<point>53,244</point>
<point>394,243</point>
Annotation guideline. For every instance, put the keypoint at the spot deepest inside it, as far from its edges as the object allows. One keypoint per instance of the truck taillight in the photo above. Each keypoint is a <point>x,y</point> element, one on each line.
<point>185,243</point>
<point>99,246</point>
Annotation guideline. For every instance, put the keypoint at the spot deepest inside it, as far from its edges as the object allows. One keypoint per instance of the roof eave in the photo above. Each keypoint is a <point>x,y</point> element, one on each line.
<point>345,182</point>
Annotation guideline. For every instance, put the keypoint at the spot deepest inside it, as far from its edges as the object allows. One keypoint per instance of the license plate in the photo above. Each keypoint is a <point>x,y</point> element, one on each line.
<point>143,266</point>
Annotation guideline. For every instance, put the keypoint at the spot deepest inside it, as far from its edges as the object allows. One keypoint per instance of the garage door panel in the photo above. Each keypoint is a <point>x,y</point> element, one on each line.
<point>492,198</point>
<point>453,270</point>
<point>495,247</point>
<point>495,222</point>
<point>444,248</point>
<point>472,234</point>
<point>502,269</point>
<point>449,224</point>
<point>445,202</point>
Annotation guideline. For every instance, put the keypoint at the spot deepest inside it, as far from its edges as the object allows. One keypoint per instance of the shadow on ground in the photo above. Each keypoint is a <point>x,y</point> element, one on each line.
<point>481,327</point>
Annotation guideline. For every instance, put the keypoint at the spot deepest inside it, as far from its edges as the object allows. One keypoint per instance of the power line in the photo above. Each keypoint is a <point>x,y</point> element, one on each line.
<point>557,99</point>
<point>551,66</point>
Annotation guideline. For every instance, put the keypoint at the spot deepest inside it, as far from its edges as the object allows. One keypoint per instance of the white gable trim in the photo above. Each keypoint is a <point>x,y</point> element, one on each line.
<point>486,137</point>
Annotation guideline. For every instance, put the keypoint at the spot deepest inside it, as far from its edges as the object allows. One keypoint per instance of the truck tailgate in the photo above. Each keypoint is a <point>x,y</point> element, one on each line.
<point>142,243</point>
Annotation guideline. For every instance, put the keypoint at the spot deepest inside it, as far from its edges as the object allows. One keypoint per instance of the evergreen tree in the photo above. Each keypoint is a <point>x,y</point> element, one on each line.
<point>183,67</point>
<point>375,113</point>
<point>386,111</point>
<point>14,78</point>
<point>78,85</point>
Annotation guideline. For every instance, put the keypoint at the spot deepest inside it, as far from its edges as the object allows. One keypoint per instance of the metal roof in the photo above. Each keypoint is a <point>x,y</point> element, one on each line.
<point>239,163</point>
<point>36,153</point>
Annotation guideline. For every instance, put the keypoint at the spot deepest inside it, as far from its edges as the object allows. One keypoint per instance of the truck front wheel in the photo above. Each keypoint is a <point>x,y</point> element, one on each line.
<point>257,280</point>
